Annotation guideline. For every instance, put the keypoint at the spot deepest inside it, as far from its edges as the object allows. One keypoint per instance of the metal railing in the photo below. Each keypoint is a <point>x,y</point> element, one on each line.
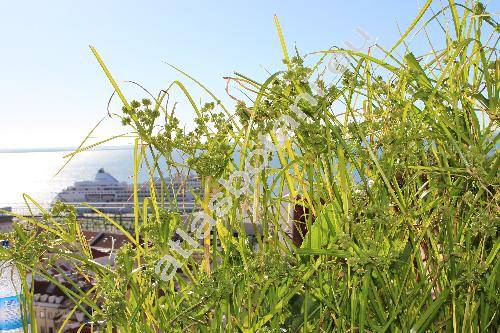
<point>121,213</point>
<point>113,208</point>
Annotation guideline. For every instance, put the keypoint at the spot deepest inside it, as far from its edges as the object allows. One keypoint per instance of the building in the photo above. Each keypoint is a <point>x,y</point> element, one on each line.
<point>5,219</point>
<point>52,305</point>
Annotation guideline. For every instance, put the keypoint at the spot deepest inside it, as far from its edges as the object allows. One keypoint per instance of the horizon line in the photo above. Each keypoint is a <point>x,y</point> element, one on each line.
<point>59,149</point>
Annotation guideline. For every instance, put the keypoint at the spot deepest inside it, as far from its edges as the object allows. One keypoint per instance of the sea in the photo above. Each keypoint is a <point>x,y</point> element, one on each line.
<point>36,172</point>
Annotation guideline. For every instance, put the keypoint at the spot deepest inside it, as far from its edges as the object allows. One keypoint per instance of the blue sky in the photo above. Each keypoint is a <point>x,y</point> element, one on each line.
<point>53,91</point>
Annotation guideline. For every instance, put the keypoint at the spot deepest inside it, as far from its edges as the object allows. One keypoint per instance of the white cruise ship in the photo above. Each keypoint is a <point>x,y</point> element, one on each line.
<point>109,195</point>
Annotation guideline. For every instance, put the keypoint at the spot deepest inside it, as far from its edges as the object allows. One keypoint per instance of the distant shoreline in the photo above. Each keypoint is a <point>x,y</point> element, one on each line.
<point>59,149</point>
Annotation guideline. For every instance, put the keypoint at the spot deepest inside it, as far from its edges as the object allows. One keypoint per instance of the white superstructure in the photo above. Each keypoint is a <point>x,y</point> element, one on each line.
<point>109,194</point>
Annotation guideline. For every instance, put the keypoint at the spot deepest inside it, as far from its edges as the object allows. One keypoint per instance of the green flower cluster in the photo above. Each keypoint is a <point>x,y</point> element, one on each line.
<point>141,114</point>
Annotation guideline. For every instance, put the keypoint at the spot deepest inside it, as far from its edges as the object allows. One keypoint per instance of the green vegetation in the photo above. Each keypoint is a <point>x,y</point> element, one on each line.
<point>397,161</point>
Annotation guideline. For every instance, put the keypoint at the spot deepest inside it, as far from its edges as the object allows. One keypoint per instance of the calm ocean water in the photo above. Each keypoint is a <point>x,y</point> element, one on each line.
<point>33,172</point>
